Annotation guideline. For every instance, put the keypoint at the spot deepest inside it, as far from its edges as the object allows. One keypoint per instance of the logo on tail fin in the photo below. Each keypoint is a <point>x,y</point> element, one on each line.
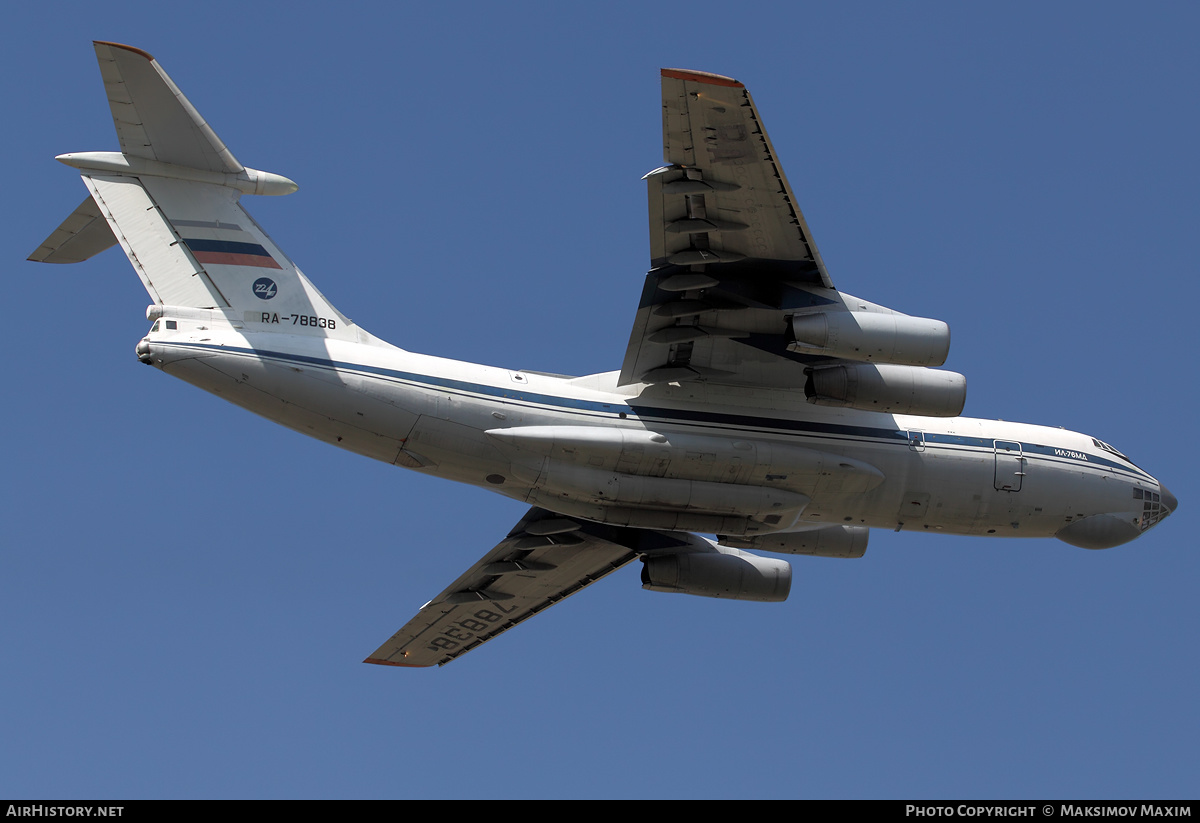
<point>264,288</point>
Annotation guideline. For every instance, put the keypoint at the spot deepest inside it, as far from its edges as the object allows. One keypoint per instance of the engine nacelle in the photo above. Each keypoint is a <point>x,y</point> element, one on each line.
<point>829,541</point>
<point>888,388</point>
<point>725,572</point>
<point>873,337</point>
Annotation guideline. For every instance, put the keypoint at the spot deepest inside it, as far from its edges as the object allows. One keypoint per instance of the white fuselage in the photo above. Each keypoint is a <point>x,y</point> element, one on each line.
<point>693,457</point>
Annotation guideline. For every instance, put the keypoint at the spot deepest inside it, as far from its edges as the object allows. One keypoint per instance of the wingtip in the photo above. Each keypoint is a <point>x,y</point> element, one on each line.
<point>133,49</point>
<point>702,77</point>
<point>381,662</point>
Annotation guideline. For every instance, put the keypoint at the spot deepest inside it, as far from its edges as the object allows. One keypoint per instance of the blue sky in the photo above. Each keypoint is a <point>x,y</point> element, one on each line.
<point>187,590</point>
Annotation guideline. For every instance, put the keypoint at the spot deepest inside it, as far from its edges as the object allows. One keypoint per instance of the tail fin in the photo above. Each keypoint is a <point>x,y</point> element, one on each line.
<point>171,199</point>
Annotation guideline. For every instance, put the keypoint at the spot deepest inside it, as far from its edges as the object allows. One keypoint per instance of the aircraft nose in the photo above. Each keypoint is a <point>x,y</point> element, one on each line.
<point>1168,500</point>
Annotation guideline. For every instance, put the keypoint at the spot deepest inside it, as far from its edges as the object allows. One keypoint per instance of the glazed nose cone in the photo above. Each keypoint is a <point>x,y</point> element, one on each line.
<point>1168,500</point>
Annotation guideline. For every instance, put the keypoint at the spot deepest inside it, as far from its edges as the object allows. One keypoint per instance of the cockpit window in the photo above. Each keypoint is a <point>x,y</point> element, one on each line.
<point>154,328</point>
<point>1100,444</point>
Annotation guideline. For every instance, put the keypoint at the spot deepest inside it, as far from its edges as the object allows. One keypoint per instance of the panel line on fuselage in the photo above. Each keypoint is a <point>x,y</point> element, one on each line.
<point>746,424</point>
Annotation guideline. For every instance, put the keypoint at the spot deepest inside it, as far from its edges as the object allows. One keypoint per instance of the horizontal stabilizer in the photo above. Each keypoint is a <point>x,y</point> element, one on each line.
<point>153,118</point>
<point>82,235</point>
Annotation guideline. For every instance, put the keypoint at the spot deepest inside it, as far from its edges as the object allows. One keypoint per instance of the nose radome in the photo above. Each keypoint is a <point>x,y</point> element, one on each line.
<point>1168,500</point>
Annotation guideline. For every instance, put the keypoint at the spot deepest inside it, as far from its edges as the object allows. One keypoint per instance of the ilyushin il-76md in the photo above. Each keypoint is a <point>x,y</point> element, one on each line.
<point>756,402</point>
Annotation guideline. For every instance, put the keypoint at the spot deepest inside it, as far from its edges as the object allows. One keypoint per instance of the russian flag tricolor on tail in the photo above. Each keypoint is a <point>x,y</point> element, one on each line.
<point>231,253</point>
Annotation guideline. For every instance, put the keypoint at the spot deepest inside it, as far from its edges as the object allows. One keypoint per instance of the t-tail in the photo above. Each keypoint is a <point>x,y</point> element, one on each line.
<point>170,198</point>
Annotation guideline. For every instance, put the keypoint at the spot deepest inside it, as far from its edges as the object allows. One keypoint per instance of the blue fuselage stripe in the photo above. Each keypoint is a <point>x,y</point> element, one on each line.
<point>683,416</point>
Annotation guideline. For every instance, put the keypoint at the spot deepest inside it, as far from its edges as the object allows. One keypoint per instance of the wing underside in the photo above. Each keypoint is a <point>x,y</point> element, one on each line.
<point>731,254</point>
<point>543,560</point>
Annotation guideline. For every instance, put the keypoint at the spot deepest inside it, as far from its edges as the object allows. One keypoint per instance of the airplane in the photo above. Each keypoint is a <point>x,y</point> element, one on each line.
<point>756,402</point>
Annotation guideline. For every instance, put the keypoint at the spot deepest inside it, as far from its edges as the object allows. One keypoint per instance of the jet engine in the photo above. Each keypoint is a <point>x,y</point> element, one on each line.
<point>724,572</point>
<point>888,388</point>
<point>873,336</point>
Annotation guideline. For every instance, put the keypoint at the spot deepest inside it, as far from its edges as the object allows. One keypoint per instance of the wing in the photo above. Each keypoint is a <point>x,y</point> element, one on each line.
<point>737,293</point>
<point>731,255</point>
<point>545,558</point>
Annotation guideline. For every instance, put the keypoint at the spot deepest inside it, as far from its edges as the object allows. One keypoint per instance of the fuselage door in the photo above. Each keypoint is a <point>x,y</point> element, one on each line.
<point>1010,466</point>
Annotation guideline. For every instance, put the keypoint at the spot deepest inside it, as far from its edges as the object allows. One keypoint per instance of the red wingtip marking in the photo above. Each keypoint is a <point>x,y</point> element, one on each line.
<point>702,77</point>
<point>133,49</point>
<point>380,662</point>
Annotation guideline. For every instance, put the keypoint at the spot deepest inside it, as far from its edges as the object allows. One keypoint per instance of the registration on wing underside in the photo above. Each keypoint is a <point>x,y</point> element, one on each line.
<point>545,559</point>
